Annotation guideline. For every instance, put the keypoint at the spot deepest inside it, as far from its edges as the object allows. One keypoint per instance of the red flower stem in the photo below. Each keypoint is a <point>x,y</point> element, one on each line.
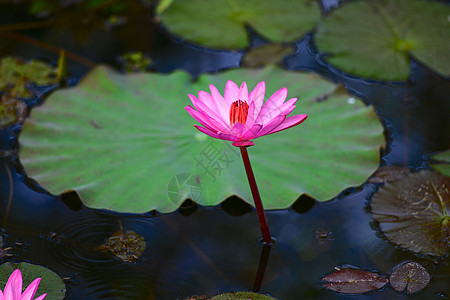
<point>256,198</point>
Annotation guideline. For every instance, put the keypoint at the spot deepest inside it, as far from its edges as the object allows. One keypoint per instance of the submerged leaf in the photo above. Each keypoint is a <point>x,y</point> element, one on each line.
<point>127,246</point>
<point>221,23</point>
<point>50,283</point>
<point>125,143</point>
<point>388,174</point>
<point>442,164</point>
<point>414,212</point>
<point>388,32</point>
<point>411,275</point>
<point>354,281</point>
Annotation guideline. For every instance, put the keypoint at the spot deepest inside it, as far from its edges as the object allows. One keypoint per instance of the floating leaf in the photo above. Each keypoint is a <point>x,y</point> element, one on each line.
<point>127,246</point>
<point>354,281</point>
<point>268,54</point>
<point>414,212</point>
<point>12,110</point>
<point>123,141</point>
<point>50,283</point>
<point>442,163</point>
<point>386,31</point>
<point>232,296</point>
<point>388,173</point>
<point>221,23</point>
<point>16,75</point>
<point>242,296</point>
<point>411,275</point>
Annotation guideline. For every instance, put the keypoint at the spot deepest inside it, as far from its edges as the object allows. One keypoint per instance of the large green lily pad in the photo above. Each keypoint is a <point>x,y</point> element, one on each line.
<point>387,32</point>
<point>126,143</point>
<point>221,23</point>
<point>50,283</point>
<point>413,212</point>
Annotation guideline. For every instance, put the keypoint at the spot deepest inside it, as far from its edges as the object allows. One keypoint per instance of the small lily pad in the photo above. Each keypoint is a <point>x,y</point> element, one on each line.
<point>413,212</point>
<point>122,142</point>
<point>221,23</point>
<point>354,281</point>
<point>16,75</point>
<point>242,296</point>
<point>12,110</point>
<point>50,283</point>
<point>411,276</point>
<point>388,32</point>
<point>442,162</point>
<point>127,246</point>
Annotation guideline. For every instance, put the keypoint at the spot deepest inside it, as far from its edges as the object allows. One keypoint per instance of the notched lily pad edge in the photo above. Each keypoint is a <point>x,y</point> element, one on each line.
<point>233,204</point>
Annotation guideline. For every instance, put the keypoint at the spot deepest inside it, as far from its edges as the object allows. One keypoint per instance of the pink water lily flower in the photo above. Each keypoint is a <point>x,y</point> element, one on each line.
<point>241,117</point>
<point>13,288</point>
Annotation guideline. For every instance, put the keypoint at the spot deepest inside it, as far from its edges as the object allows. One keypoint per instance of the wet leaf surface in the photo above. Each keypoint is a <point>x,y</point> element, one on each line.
<point>126,246</point>
<point>50,283</point>
<point>389,32</point>
<point>414,212</point>
<point>266,55</point>
<point>354,281</point>
<point>388,174</point>
<point>411,276</point>
<point>118,137</point>
<point>199,21</point>
<point>442,162</point>
<point>16,76</point>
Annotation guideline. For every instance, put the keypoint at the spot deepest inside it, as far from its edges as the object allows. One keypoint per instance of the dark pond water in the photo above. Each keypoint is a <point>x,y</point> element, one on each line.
<point>206,250</point>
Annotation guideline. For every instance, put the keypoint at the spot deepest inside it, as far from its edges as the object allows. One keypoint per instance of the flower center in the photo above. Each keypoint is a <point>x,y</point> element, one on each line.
<point>238,112</point>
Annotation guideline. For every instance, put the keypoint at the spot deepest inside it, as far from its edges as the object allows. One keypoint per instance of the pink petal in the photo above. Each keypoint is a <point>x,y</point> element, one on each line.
<point>272,107</point>
<point>274,123</point>
<point>205,120</point>
<point>243,143</point>
<point>229,137</point>
<point>243,92</point>
<point>231,92</point>
<point>41,297</point>
<point>215,94</point>
<point>251,115</point>
<point>1,295</point>
<point>238,129</point>
<point>252,132</point>
<point>219,108</point>
<point>257,96</point>
<point>208,132</point>
<point>205,109</point>
<point>13,288</point>
<point>220,101</point>
<point>290,122</point>
<point>28,294</point>
<point>288,104</point>
<point>220,135</point>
